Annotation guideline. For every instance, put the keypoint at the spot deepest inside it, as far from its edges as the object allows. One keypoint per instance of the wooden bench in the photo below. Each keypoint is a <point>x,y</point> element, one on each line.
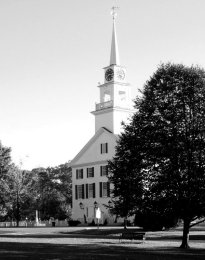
<point>132,235</point>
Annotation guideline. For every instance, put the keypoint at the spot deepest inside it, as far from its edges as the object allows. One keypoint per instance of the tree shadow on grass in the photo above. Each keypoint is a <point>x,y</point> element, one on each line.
<point>99,234</point>
<point>199,237</point>
<point>43,251</point>
<point>106,246</point>
<point>83,233</point>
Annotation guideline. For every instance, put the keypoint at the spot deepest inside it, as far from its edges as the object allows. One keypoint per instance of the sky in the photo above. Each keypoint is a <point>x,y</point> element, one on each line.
<point>52,55</point>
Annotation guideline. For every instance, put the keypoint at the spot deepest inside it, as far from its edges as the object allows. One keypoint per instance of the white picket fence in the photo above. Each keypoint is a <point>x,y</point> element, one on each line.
<point>56,223</point>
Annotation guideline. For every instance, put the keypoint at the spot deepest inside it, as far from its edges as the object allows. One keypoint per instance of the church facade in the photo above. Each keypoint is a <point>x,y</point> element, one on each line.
<point>90,185</point>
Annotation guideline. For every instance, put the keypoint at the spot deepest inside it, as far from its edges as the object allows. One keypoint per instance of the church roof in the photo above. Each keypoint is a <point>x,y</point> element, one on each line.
<point>101,131</point>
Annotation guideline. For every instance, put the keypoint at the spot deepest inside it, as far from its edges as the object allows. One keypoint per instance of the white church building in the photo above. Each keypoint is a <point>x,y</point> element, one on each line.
<point>90,186</point>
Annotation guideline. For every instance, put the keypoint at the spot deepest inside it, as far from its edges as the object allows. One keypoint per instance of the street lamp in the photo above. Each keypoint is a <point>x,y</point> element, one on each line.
<point>109,204</point>
<point>109,209</point>
<point>81,205</point>
<point>95,205</point>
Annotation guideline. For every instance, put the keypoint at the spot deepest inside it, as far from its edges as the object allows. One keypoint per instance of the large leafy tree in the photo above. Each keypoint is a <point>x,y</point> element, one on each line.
<point>126,175</point>
<point>46,190</point>
<point>5,165</point>
<point>52,191</point>
<point>61,180</point>
<point>18,193</point>
<point>159,166</point>
<point>23,192</point>
<point>5,160</point>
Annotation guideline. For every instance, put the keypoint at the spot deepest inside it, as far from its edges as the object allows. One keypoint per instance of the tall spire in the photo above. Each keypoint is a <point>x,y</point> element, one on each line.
<point>114,55</point>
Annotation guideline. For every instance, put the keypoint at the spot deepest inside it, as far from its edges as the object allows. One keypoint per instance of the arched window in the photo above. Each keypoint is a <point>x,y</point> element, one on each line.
<point>107,96</point>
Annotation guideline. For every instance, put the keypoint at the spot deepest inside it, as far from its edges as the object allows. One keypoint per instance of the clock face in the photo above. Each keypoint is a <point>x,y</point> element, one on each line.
<point>109,74</point>
<point>120,74</point>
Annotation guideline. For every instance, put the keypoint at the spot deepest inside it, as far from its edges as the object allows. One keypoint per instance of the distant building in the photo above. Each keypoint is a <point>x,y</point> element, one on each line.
<point>90,186</point>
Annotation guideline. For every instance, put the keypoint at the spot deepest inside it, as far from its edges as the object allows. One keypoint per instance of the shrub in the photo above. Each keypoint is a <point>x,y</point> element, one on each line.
<point>92,223</point>
<point>73,223</point>
<point>105,222</point>
<point>154,222</point>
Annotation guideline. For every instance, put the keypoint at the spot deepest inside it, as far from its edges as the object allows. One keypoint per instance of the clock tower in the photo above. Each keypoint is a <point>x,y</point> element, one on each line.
<point>115,104</point>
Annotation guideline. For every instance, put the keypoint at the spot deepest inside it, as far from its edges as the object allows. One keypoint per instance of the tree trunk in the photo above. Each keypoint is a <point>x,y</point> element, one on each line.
<point>125,223</point>
<point>185,238</point>
<point>17,210</point>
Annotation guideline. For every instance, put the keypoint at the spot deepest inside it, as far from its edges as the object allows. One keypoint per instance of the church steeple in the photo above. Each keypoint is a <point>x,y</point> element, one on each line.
<point>114,55</point>
<point>115,94</point>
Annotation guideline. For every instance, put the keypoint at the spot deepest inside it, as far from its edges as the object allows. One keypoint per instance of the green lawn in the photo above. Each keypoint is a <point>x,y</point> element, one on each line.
<point>83,243</point>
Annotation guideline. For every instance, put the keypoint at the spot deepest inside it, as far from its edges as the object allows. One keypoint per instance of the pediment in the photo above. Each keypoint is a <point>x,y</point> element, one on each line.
<point>91,151</point>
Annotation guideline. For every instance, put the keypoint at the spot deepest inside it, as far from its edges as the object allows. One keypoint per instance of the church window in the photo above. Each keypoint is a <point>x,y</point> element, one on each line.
<point>90,190</point>
<point>104,189</point>
<point>79,173</point>
<point>104,148</point>
<point>122,95</point>
<point>107,96</point>
<point>104,170</point>
<point>79,191</point>
<point>90,172</point>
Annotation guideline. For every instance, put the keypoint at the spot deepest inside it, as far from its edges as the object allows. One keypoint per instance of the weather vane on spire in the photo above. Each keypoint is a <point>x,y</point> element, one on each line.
<point>113,11</point>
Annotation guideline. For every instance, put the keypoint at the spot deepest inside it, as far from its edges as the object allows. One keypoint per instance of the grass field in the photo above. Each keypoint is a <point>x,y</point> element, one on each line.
<point>90,243</point>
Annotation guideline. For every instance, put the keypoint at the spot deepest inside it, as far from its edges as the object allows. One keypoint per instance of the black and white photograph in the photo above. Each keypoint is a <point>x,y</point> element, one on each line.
<point>102,129</point>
